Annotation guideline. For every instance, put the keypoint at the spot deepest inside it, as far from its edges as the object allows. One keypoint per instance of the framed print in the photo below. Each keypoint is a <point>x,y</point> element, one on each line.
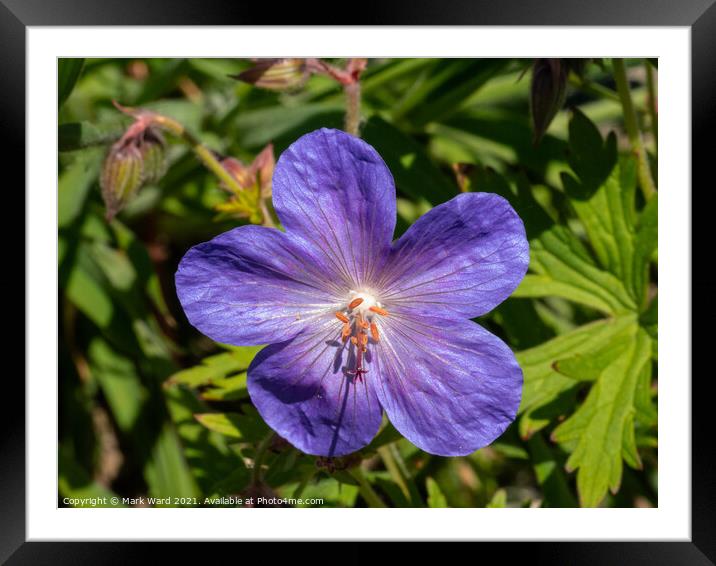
<point>400,279</point>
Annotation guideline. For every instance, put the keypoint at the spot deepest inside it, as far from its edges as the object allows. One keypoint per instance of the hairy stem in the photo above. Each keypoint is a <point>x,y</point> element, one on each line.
<point>352,122</point>
<point>632,128</point>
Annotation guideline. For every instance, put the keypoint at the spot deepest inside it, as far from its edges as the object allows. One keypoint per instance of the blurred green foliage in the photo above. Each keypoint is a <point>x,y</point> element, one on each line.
<point>149,407</point>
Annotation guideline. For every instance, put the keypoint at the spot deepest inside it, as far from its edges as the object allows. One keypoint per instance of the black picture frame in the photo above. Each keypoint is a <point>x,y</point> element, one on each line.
<point>699,15</point>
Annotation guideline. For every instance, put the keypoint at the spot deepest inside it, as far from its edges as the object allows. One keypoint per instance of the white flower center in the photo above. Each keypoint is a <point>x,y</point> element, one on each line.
<point>369,300</point>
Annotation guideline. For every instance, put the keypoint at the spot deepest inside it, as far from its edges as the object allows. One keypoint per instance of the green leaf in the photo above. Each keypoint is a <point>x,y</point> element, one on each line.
<point>442,88</point>
<point>68,71</point>
<point>436,498</point>
<point>74,482</point>
<point>551,478</point>
<point>414,173</point>
<point>231,388</point>
<point>645,244</point>
<point>217,469</point>
<point>562,267</point>
<point>120,383</point>
<point>603,196</point>
<point>546,392</point>
<point>74,186</point>
<point>590,157</point>
<point>499,500</point>
<point>74,136</point>
<point>248,428</point>
<point>600,433</point>
<point>216,368</point>
<point>167,472</point>
<point>283,125</point>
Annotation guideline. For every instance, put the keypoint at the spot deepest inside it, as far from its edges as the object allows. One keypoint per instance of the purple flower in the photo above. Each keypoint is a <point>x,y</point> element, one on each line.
<point>357,325</point>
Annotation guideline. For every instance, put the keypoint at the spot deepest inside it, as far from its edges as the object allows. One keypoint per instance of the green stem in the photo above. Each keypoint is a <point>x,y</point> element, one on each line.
<point>632,128</point>
<point>352,122</point>
<point>651,103</point>
<point>593,88</point>
<point>259,457</point>
<point>205,155</point>
<point>391,464</point>
<point>366,490</point>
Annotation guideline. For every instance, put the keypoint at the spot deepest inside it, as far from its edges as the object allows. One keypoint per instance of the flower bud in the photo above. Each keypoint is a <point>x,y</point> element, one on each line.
<point>276,74</point>
<point>548,88</point>
<point>121,177</point>
<point>154,161</point>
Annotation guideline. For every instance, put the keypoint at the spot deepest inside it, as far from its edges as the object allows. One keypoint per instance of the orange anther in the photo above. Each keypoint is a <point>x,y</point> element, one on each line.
<point>363,338</point>
<point>346,330</point>
<point>379,311</point>
<point>362,323</point>
<point>354,340</point>
<point>374,331</point>
<point>343,318</point>
<point>354,303</point>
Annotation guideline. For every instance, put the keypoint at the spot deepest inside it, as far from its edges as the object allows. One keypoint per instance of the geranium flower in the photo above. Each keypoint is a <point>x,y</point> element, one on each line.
<point>357,325</point>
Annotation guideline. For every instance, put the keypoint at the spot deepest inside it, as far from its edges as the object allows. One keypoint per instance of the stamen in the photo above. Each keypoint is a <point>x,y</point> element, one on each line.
<point>354,303</point>
<point>343,318</point>
<point>363,339</point>
<point>374,331</point>
<point>379,311</point>
<point>354,340</point>
<point>363,324</point>
<point>346,331</point>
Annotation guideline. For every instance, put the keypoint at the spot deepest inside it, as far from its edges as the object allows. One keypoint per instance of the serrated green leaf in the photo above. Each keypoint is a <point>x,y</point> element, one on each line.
<point>597,431</point>
<point>562,267</point>
<point>545,394</point>
<point>603,196</point>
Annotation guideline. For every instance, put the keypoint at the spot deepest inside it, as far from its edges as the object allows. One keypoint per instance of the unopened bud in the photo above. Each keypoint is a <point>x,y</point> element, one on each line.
<point>549,81</point>
<point>121,177</point>
<point>154,161</point>
<point>276,74</point>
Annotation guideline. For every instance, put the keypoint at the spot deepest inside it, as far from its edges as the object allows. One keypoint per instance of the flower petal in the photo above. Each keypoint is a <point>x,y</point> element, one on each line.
<point>302,390</point>
<point>333,191</point>
<point>252,285</point>
<point>449,386</point>
<point>462,258</point>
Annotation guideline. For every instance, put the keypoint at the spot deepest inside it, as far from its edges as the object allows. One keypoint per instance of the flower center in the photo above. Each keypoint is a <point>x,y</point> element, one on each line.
<point>360,325</point>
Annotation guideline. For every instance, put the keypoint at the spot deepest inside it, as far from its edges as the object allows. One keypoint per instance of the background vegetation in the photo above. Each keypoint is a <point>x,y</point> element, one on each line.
<point>149,407</point>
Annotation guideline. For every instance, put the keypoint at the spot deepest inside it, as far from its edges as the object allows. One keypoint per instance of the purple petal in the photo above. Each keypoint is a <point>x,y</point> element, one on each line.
<point>302,390</point>
<point>462,259</point>
<point>334,192</point>
<point>252,285</point>
<point>449,386</point>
